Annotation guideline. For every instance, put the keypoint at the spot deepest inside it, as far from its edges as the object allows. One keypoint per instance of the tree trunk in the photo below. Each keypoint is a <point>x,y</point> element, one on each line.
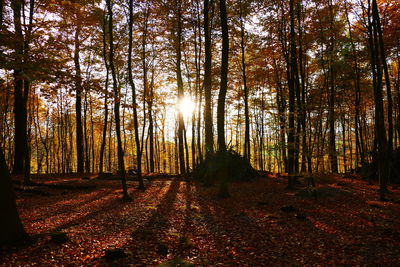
<point>291,77</point>
<point>208,121</point>
<point>387,83</point>
<point>20,107</point>
<point>103,141</point>
<point>121,163</point>
<point>134,102</point>
<point>245,90</point>
<point>181,125</point>
<point>224,77</point>
<point>78,100</point>
<point>331,98</point>
<point>380,131</point>
<point>11,229</point>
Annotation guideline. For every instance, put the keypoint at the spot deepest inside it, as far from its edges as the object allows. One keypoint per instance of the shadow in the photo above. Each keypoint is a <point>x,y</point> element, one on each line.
<point>148,236</point>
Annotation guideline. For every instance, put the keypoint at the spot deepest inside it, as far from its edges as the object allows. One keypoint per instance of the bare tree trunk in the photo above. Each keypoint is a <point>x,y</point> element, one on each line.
<point>293,65</point>
<point>181,125</point>
<point>103,141</point>
<point>387,83</point>
<point>20,107</point>
<point>121,164</point>
<point>224,77</point>
<point>331,97</point>
<point>245,89</point>
<point>380,131</point>
<point>208,124</point>
<point>78,100</point>
<point>134,102</point>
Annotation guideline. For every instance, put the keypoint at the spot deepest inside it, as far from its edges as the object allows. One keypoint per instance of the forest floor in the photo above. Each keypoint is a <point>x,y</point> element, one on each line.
<point>262,224</point>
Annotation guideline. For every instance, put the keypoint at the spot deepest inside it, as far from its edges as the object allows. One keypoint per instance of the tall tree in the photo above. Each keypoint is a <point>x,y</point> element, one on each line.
<point>208,121</point>
<point>103,141</point>
<point>331,93</point>
<point>292,89</point>
<point>380,129</point>
<point>20,92</point>
<point>117,100</point>
<point>224,77</point>
<point>178,50</point>
<point>78,89</point>
<point>134,101</point>
<point>244,77</point>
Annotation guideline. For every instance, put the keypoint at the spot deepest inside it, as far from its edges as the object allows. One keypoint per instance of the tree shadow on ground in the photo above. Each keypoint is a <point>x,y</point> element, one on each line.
<point>150,238</point>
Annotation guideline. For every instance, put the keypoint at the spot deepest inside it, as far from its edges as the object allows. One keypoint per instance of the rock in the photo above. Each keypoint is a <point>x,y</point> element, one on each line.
<point>162,249</point>
<point>59,237</point>
<point>114,254</point>
<point>289,208</point>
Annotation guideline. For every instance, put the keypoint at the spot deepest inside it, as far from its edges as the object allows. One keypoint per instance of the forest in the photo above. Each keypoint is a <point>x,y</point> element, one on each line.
<point>199,132</point>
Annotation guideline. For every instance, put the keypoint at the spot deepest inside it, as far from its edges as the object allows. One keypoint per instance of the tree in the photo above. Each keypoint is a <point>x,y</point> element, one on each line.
<point>208,121</point>
<point>117,100</point>
<point>376,64</point>
<point>177,45</point>
<point>245,89</point>
<point>224,77</point>
<point>78,90</point>
<point>134,103</point>
<point>21,89</point>
<point>11,229</point>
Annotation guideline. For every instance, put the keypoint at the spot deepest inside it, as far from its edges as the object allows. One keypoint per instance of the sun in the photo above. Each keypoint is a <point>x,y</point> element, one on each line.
<point>186,106</point>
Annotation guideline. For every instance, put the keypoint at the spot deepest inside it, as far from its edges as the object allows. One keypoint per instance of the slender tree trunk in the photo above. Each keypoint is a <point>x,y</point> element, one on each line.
<point>104,136</point>
<point>20,112</point>
<point>245,90</point>
<point>387,83</point>
<point>134,102</point>
<point>331,97</point>
<point>291,77</point>
<point>181,125</point>
<point>117,99</point>
<point>380,129</point>
<point>78,99</point>
<point>208,121</point>
<point>224,77</point>
<point>357,87</point>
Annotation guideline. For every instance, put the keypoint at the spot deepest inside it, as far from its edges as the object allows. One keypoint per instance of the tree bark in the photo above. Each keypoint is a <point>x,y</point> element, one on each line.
<point>224,77</point>
<point>117,99</point>
<point>78,99</point>
<point>291,77</point>
<point>11,229</point>
<point>181,125</point>
<point>245,89</point>
<point>134,102</point>
<point>208,121</point>
<point>20,103</point>
<point>103,141</point>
